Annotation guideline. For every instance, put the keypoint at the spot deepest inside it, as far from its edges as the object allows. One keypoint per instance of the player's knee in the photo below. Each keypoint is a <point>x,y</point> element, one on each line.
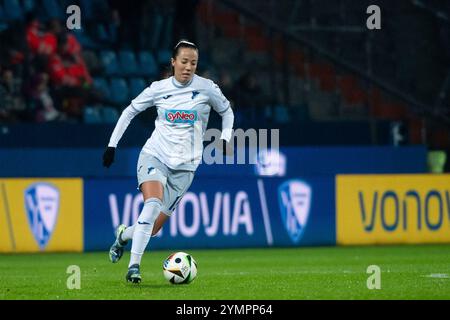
<point>150,212</point>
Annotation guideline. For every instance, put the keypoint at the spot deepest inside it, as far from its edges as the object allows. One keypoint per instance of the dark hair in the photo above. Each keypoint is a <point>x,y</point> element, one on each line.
<point>183,43</point>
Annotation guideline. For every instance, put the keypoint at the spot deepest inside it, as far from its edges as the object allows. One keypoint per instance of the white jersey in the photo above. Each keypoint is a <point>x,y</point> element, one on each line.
<point>183,113</point>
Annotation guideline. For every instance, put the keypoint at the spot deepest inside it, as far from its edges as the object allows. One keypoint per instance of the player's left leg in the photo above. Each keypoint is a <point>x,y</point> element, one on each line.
<point>127,233</point>
<point>162,218</point>
<point>124,234</point>
<point>116,250</point>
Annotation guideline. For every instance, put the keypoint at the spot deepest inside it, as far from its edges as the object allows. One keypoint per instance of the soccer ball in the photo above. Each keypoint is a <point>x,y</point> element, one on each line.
<point>179,268</point>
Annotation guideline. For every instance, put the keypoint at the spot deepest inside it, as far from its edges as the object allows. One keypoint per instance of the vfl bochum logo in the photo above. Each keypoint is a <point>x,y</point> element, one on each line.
<point>294,197</point>
<point>42,205</point>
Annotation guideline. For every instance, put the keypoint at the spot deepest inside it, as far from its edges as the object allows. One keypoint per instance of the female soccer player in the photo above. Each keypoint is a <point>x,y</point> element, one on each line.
<point>169,159</point>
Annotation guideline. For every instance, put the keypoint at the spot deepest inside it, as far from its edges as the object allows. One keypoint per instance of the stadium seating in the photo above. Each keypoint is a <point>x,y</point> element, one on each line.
<point>87,9</point>
<point>164,56</point>
<point>110,62</point>
<point>157,22</point>
<point>3,23</point>
<point>137,85</point>
<point>13,10</point>
<point>91,115</point>
<point>85,40</point>
<point>316,83</point>
<point>119,91</point>
<point>282,114</point>
<point>94,9</point>
<point>53,9</point>
<point>128,63</point>
<point>100,6</point>
<point>147,64</point>
<point>92,62</point>
<point>106,33</point>
<point>166,32</point>
<point>100,114</point>
<point>28,5</point>
<point>102,86</point>
<point>109,115</point>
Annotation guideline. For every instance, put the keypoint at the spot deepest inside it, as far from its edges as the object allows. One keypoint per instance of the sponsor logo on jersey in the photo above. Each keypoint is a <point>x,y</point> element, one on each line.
<point>42,205</point>
<point>181,116</point>
<point>294,198</point>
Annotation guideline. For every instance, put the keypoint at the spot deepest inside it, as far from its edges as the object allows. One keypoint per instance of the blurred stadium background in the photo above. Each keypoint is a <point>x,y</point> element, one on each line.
<point>364,120</point>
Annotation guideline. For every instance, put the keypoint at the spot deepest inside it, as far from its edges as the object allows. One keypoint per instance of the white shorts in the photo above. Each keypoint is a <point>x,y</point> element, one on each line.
<point>175,182</point>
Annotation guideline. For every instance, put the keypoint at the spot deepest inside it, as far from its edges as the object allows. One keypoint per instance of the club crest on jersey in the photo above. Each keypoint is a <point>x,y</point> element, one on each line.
<point>195,94</point>
<point>294,197</point>
<point>42,206</point>
<point>181,116</point>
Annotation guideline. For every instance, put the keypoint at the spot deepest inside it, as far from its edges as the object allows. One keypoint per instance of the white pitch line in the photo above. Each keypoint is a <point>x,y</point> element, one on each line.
<point>437,276</point>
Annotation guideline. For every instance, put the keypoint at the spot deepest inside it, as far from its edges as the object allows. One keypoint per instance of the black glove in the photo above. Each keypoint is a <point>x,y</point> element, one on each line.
<point>108,156</point>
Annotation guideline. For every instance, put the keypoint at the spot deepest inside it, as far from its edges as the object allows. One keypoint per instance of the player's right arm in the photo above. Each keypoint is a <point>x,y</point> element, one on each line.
<point>141,103</point>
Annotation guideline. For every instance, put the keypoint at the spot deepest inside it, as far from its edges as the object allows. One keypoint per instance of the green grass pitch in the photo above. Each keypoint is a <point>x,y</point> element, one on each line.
<point>407,272</point>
